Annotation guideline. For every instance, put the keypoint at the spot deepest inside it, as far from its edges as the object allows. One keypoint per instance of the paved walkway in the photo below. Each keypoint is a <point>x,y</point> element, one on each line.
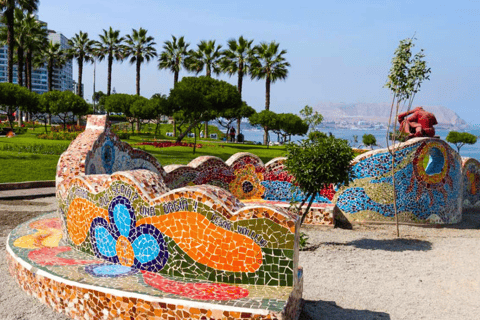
<point>32,193</point>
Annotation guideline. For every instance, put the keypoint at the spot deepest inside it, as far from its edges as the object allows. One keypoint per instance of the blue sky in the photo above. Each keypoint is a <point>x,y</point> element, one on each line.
<point>339,51</point>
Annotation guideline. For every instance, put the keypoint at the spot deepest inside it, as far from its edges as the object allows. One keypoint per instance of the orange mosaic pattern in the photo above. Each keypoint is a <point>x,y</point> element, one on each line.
<point>48,234</point>
<point>247,183</point>
<point>80,303</point>
<point>125,252</point>
<point>79,218</point>
<point>208,244</point>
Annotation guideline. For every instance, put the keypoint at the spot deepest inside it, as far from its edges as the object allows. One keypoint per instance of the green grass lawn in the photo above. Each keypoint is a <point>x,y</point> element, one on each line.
<point>27,158</point>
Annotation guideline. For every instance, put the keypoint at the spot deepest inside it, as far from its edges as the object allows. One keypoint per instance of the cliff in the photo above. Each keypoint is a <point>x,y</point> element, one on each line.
<point>379,113</point>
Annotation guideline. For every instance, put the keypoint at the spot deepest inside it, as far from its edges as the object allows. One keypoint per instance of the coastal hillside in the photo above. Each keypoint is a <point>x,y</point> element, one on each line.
<point>343,114</point>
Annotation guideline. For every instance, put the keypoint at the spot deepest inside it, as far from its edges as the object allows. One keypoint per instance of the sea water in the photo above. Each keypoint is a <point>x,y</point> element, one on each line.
<point>467,150</point>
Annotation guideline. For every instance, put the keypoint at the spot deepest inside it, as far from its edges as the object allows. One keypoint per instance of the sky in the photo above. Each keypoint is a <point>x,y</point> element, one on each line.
<point>339,51</point>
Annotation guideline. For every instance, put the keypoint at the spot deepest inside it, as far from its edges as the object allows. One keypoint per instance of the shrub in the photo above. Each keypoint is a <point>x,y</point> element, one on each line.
<point>317,164</point>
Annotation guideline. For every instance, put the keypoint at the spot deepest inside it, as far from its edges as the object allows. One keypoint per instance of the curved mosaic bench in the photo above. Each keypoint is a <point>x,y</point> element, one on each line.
<point>252,182</point>
<point>428,178</point>
<point>132,242</point>
<point>471,183</point>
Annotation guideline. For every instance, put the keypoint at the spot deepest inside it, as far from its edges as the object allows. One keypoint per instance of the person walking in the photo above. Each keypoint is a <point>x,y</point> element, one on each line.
<point>232,134</point>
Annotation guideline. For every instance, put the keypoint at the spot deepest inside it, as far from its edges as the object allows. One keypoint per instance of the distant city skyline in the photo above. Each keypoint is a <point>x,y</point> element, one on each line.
<point>338,51</point>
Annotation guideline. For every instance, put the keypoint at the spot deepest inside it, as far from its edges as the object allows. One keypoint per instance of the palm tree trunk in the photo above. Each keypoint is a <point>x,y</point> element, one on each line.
<point>80,71</point>
<point>138,76</point>
<point>28,72</point>
<point>267,93</point>
<point>50,74</point>
<point>109,76</point>
<point>265,136</point>
<point>174,124</point>
<point>240,85</point>
<point>21,60</point>
<point>10,39</point>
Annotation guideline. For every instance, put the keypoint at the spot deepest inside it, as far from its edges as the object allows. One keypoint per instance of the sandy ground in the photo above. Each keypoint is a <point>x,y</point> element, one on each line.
<point>364,273</point>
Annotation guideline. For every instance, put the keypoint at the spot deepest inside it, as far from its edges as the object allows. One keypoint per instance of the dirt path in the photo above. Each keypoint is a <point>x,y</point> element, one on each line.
<point>364,273</point>
<point>367,273</point>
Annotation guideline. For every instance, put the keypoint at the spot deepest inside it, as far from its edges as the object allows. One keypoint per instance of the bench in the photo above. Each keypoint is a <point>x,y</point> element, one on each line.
<point>152,245</point>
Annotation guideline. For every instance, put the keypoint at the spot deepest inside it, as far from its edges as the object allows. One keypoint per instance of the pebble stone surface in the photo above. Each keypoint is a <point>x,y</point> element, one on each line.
<point>364,273</point>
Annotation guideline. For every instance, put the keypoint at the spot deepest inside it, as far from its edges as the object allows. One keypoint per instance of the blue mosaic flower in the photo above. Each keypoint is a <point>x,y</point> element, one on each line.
<point>119,241</point>
<point>110,270</point>
<point>108,155</point>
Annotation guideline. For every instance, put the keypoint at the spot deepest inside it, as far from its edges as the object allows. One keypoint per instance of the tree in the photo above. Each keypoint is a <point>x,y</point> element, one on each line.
<point>269,63</point>
<point>81,48</point>
<point>369,140</point>
<point>459,139</point>
<point>139,49</point>
<point>194,100</point>
<point>8,8</point>
<point>159,107</point>
<point>312,119</point>
<point>141,109</point>
<point>13,96</point>
<point>54,55</point>
<point>317,164</point>
<point>121,102</point>
<point>290,124</point>
<point>227,116</point>
<point>266,119</point>
<point>404,80</point>
<point>236,60</point>
<point>109,47</point>
<point>99,100</point>
<point>173,57</point>
<point>35,42</point>
<point>64,104</point>
<point>208,56</point>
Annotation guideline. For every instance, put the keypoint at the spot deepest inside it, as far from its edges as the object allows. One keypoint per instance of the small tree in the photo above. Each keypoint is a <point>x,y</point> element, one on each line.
<point>121,102</point>
<point>160,107</point>
<point>266,119</point>
<point>312,119</point>
<point>318,163</point>
<point>65,105</point>
<point>228,116</point>
<point>201,99</point>
<point>459,139</point>
<point>404,80</point>
<point>290,124</point>
<point>369,140</point>
<point>13,96</point>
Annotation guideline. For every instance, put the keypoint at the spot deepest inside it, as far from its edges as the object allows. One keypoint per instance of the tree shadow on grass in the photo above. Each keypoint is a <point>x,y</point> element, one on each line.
<point>397,245</point>
<point>316,310</point>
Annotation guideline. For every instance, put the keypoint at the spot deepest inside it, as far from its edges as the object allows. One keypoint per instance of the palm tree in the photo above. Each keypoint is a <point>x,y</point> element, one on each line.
<point>236,60</point>
<point>54,55</point>
<point>110,47</point>
<point>268,64</point>
<point>81,48</point>
<point>8,9</point>
<point>35,42</point>
<point>139,48</point>
<point>173,57</point>
<point>207,56</point>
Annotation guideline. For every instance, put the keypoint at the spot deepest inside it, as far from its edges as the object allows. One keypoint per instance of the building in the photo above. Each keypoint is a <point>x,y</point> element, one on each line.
<point>62,77</point>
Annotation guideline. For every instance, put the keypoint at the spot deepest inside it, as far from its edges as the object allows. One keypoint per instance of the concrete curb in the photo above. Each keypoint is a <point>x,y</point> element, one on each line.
<point>27,185</point>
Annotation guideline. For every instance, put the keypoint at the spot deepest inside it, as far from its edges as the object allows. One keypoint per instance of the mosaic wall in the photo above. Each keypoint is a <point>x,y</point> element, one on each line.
<point>132,218</point>
<point>471,183</point>
<point>428,179</point>
<point>87,287</point>
<point>198,232</point>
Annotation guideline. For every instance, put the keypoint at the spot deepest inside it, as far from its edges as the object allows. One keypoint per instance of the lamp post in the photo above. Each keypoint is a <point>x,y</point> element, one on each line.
<point>94,98</point>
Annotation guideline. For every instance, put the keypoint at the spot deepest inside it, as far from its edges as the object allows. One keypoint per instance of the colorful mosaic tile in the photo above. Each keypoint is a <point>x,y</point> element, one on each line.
<point>166,234</point>
<point>428,182</point>
<point>471,183</point>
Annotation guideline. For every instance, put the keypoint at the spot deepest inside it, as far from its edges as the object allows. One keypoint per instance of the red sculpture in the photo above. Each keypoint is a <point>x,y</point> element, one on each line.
<point>419,124</point>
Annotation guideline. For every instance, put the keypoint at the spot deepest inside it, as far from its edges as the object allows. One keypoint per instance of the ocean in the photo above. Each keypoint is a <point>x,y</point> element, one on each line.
<point>472,151</point>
